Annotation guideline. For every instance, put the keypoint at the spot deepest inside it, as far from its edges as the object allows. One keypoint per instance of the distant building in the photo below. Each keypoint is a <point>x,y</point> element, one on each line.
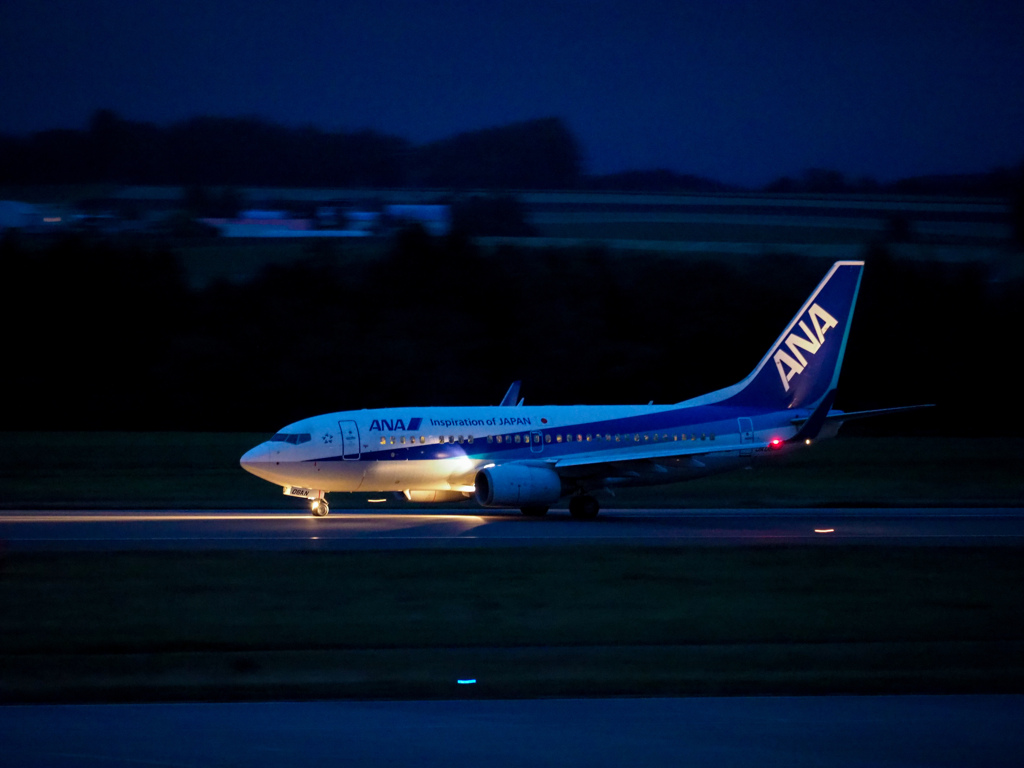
<point>335,221</point>
<point>436,219</point>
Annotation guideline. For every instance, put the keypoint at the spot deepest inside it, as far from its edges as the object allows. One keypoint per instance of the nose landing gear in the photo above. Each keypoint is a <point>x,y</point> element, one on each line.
<point>320,507</point>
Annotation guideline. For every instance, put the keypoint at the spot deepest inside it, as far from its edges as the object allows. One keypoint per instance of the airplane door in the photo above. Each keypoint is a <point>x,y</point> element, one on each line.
<point>536,442</point>
<point>349,440</point>
<point>746,435</point>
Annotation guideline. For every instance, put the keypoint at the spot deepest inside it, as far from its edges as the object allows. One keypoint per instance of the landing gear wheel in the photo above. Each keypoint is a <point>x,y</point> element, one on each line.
<point>534,511</point>
<point>320,508</point>
<point>583,507</point>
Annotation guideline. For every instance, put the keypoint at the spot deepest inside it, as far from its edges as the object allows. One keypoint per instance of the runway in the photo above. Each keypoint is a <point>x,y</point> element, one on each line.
<point>342,530</point>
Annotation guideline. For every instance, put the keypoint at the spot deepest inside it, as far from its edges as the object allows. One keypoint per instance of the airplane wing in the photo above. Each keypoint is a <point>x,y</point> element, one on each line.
<point>650,453</point>
<point>646,462</point>
<point>628,462</point>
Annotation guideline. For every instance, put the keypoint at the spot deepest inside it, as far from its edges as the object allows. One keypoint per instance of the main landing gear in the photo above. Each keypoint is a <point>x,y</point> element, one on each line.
<point>583,507</point>
<point>534,511</point>
<point>320,507</point>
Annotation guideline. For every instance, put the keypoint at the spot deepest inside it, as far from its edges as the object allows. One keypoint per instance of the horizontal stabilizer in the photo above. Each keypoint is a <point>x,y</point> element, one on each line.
<point>843,416</point>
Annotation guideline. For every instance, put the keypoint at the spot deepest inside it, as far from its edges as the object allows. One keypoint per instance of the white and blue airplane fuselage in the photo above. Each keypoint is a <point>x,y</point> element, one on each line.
<point>529,457</point>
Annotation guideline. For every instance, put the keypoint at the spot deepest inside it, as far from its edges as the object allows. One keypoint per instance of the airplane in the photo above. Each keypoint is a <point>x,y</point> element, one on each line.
<point>530,457</point>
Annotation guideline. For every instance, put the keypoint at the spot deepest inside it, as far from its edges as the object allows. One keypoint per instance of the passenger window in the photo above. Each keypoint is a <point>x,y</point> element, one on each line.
<point>636,437</point>
<point>547,438</point>
<point>498,438</point>
<point>451,438</point>
<point>536,438</point>
<point>392,439</point>
<point>558,438</point>
<point>490,439</point>
<point>469,439</point>
<point>579,438</point>
<point>588,438</point>
<point>402,439</point>
<point>383,440</point>
<point>517,438</point>
<point>422,439</point>
<point>655,437</point>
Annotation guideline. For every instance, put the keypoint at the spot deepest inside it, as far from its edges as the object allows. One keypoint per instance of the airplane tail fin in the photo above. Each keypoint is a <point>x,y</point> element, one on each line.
<point>802,367</point>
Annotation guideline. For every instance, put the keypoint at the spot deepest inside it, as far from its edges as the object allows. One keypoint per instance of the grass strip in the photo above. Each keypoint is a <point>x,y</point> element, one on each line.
<point>520,672</point>
<point>523,622</point>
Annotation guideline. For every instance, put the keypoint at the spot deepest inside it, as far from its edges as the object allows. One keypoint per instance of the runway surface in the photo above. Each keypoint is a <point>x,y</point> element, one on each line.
<point>893,731</point>
<point>274,530</point>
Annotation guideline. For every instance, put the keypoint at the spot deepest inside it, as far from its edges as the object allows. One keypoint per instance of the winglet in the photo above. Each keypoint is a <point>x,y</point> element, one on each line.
<point>512,395</point>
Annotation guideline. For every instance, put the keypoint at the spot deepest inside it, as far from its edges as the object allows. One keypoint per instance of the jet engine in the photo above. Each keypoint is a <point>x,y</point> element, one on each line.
<point>515,485</point>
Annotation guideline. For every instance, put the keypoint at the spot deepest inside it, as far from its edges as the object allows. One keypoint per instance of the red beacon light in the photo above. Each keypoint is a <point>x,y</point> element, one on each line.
<point>775,443</point>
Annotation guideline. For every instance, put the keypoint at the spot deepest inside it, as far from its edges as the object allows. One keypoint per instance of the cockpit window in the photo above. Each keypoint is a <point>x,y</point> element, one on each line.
<point>295,438</point>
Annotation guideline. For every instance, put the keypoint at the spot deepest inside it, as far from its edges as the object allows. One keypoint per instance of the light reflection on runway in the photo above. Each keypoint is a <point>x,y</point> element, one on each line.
<point>253,529</point>
<point>182,516</point>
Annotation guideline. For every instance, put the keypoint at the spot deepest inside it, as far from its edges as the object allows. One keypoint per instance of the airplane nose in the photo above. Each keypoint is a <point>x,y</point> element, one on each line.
<point>252,459</point>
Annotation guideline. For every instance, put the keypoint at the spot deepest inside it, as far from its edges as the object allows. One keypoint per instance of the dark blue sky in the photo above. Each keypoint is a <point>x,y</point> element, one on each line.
<point>739,91</point>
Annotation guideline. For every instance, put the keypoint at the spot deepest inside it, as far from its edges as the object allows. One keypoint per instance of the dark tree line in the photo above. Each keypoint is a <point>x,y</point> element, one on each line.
<point>105,337</point>
<point>249,151</point>
<point>997,183</point>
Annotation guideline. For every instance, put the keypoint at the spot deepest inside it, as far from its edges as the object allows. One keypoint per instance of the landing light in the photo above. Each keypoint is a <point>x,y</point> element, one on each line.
<point>807,441</point>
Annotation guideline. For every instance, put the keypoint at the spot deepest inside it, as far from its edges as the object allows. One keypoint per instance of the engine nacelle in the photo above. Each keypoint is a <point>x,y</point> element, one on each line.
<point>514,485</point>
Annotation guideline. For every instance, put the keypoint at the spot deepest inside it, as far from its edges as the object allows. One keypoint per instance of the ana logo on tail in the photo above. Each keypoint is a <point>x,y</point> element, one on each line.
<point>809,342</point>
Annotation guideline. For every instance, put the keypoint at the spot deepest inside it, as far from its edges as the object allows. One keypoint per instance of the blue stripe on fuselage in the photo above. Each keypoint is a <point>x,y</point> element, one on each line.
<point>710,419</point>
